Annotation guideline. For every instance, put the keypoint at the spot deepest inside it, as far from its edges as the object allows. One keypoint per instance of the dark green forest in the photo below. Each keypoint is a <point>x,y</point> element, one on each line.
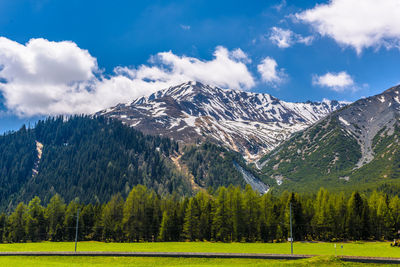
<point>95,158</point>
<point>227,214</point>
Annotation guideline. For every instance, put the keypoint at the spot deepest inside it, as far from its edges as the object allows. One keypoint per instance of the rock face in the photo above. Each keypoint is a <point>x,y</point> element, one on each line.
<point>358,145</point>
<point>366,117</point>
<point>250,123</point>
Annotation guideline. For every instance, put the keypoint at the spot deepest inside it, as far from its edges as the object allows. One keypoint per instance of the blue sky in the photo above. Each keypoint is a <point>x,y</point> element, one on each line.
<point>294,50</point>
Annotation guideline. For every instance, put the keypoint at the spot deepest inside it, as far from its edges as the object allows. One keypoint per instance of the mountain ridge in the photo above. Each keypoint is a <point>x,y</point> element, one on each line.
<point>250,123</point>
<point>357,146</point>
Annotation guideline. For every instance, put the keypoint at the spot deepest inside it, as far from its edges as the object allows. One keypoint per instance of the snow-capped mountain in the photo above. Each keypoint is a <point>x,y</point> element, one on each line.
<point>250,123</point>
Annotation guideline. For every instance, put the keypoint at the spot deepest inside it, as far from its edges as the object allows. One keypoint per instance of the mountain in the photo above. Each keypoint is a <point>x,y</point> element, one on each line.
<point>354,147</point>
<point>249,123</point>
<point>95,158</point>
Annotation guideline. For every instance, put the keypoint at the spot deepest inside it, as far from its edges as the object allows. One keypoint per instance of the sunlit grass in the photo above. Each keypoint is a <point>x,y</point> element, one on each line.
<point>153,261</point>
<point>374,249</point>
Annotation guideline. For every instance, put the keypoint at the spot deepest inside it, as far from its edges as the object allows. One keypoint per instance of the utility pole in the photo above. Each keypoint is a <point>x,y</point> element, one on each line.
<point>291,230</point>
<point>76,232</point>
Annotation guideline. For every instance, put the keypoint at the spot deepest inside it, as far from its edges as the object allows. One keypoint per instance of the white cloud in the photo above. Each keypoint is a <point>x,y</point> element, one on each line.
<point>286,38</point>
<point>49,78</point>
<point>357,23</point>
<point>268,68</point>
<point>279,6</point>
<point>185,27</point>
<point>338,82</point>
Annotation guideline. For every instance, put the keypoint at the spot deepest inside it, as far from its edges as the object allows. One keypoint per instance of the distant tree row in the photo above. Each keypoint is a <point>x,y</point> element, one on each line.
<point>228,214</point>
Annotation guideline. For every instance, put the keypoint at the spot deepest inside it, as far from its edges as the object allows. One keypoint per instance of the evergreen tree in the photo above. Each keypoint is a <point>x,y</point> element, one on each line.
<point>268,221</point>
<point>112,216</point>
<point>87,222</point>
<point>17,224</point>
<point>251,214</point>
<point>206,211</point>
<point>70,221</point>
<point>395,210</point>
<point>36,221</point>
<point>192,219</point>
<point>55,212</point>
<point>222,226</point>
<point>238,213</point>
<point>355,217</point>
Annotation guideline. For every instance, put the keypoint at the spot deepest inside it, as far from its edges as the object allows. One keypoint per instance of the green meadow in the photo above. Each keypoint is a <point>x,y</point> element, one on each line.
<point>326,251</point>
<point>372,249</point>
<point>154,261</point>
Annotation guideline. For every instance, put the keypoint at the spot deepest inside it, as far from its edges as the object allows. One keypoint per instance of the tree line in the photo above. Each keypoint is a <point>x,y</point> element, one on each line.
<point>94,158</point>
<point>227,214</point>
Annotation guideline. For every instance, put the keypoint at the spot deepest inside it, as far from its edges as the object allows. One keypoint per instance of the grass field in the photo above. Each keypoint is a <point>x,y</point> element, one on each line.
<point>377,249</point>
<point>138,261</point>
<point>373,249</point>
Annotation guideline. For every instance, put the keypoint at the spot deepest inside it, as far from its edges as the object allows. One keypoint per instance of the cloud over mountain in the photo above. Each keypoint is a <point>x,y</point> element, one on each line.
<point>47,78</point>
<point>268,69</point>
<point>338,82</point>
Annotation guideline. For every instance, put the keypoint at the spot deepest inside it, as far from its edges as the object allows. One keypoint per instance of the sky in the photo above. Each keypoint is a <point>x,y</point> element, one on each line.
<point>77,57</point>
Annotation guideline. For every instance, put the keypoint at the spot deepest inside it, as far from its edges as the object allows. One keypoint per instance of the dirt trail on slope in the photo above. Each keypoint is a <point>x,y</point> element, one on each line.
<point>183,168</point>
<point>39,150</point>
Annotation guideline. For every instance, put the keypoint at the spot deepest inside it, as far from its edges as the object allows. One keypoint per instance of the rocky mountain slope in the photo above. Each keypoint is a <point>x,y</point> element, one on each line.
<point>250,123</point>
<point>356,146</point>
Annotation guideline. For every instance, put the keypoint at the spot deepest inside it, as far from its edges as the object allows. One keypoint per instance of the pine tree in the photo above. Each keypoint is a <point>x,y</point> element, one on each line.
<point>267,226</point>
<point>55,212</point>
<point>135,217</point>
<point>222,226</point>
<point>206,211</point>
<point>355,218</point>
<point>17,224</point>
<point>251,213</point>
<point>191,222</point>
<point>238,216</point>
<point>385,217</point>
<point>86,222</point>
<point>36,221</point>
<point>395,210</point>
<point>166,222</point>
<point>112,216</point>
<point>70,221</point>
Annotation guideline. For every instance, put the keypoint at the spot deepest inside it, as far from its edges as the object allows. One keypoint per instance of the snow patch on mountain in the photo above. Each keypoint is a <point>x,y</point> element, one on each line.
<point>250,123</point>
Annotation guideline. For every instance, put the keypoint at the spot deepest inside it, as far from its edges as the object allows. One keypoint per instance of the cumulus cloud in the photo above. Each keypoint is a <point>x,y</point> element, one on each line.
<point>338,82</point>
<point>357,23</point>
<point>49,78</point>
<point>268,68</point>
<point>286,38</point>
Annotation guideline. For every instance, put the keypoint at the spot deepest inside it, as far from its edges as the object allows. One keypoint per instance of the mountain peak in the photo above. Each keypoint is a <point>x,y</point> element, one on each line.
<point>250,123</point>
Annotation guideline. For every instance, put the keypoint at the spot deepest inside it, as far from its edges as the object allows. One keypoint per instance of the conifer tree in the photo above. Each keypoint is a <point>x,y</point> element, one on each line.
<point>112,219</point>
<point>192,219</point>
<point>55,212</point>
<point>251,213</point>
<point>222,226</point>
<point>17,224</point>
<point>36,221</point>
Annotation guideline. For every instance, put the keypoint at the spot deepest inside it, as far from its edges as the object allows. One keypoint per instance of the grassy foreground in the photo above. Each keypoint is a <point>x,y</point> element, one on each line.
<point>372,249</point>
<point>138,261</point>
<point>377,249</point>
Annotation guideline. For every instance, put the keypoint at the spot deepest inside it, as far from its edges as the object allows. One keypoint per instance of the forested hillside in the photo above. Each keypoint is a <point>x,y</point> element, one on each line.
<point>354,148</point>
<point>211,165</point>
<point>84,158</point>
<point>92,159</point>
<point>226,214</point>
